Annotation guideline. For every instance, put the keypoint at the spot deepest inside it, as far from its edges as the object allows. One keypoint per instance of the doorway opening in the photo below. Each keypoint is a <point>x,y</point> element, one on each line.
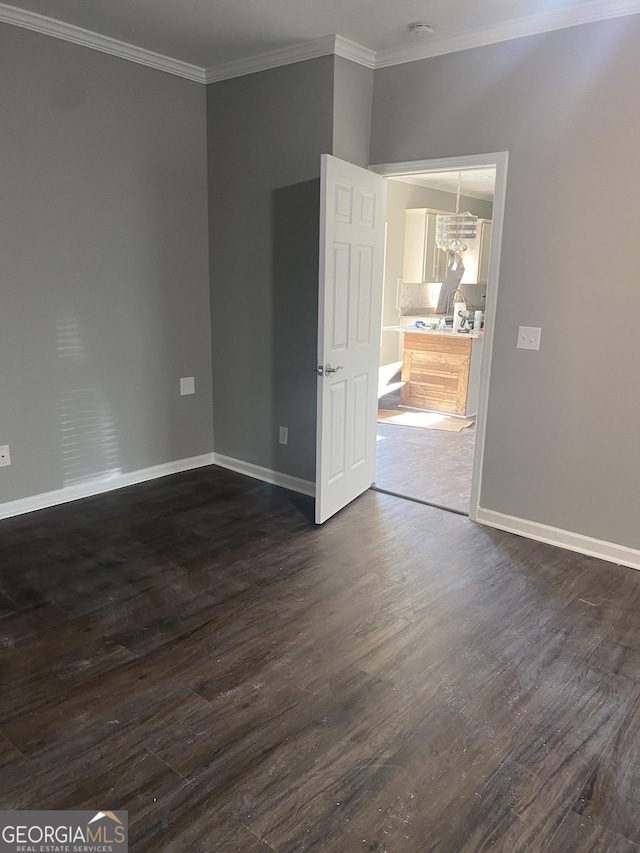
<point>436,330</point>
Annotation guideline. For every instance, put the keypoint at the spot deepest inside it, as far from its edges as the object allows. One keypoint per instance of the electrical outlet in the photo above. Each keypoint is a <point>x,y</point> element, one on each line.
<point>529,337</point>
<point>5,456</point>
<point>187,385</point>
<point>284,435</point>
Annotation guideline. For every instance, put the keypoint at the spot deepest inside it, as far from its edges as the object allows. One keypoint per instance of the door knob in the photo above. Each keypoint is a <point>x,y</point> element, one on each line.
<point>328,369</point>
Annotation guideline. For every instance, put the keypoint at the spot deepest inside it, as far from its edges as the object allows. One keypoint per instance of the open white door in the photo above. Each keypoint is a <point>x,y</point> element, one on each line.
<point>352,222</point>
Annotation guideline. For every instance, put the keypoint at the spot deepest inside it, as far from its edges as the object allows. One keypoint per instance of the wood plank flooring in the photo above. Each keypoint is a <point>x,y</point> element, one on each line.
<point>400,680</point>
<point>426,464</point>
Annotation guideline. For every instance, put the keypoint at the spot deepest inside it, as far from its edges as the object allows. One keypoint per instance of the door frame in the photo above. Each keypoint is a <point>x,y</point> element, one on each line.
<point>499,160</point>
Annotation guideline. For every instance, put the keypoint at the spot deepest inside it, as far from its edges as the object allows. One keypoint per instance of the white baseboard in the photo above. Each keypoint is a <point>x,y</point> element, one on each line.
<point>44,500</point>
<point>609,551</point>
<point>285,481</point>
<point>97,487</point>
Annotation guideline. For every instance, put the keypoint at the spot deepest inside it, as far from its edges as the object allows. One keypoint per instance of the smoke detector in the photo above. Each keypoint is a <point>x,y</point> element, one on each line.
<point>420,30</point>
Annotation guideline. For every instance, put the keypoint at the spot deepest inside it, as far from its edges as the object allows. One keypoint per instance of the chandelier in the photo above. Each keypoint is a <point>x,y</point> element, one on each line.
<point>456,232</point>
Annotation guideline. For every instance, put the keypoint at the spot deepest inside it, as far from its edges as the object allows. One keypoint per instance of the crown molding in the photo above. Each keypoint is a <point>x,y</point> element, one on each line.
<point>593,10</point>
<point>543,22</point>
<point>325,46</point>
<point>355,52</point>
<point>105,44</point>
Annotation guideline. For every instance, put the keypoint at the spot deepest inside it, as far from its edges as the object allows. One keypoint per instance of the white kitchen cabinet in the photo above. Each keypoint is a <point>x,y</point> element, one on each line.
<point>423,261</point>
<point>484,227</point>
<point>476,258</point>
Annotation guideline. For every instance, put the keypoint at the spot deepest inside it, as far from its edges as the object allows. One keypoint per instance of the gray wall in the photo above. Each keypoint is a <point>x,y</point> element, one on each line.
<point>561,445</point>
<point>400,197</point>
<point>104,297</point>
<point>103,239</point>
<point>352,101</point>
<point>266,133</point>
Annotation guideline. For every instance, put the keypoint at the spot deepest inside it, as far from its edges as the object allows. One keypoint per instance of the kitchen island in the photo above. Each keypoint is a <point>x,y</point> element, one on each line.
<point>440,369</point>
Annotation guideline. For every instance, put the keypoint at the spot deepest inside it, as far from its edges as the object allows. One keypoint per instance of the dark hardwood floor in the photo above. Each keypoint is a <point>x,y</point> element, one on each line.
<point>401,679</point>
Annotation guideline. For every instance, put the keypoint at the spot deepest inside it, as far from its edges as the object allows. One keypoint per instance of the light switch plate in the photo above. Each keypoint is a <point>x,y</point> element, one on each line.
<point>529,337</point>
<point>188,385</point>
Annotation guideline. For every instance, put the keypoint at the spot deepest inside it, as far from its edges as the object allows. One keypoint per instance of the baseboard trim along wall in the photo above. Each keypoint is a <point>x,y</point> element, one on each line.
<point>609,551</point>
<point>267,475</point>
<point>44,500</point>
<point>97,487</point>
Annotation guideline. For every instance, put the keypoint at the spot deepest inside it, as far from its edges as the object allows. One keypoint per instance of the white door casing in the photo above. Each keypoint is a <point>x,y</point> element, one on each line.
<point>352,223</point>
<point>500,161</point>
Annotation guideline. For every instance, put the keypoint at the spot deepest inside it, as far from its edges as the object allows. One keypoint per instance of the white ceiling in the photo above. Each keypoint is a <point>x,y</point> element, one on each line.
<point>475,183</point>
<point>211,33</point>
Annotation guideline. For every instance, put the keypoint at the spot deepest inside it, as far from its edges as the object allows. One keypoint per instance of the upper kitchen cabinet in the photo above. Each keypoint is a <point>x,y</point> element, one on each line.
<point>424,262</point>
<point>476,257</point>
<point>486,227</point>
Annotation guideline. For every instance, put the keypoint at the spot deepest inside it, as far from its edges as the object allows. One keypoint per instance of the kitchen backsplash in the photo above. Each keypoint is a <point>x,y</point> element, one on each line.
<point>474,296</point>
<point>415,299</point>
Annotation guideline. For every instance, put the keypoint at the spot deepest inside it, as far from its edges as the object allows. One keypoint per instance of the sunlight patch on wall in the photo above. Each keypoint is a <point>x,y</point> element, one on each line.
<point>87,429</point>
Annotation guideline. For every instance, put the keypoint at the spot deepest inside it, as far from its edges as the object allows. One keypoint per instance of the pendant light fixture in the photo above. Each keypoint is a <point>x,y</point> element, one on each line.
<point>456,232</point>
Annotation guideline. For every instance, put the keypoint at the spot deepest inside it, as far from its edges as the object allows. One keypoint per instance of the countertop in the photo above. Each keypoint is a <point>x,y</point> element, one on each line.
<point>421,330</point>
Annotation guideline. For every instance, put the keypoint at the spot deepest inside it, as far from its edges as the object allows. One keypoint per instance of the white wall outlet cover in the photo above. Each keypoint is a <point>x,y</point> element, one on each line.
<point>188,385</point>
<point>529,337</point>
<point>5,456</point>
<point>283,436</point>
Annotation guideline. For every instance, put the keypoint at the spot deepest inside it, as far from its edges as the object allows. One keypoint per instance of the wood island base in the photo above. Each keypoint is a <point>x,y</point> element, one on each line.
<point>441,373</point>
